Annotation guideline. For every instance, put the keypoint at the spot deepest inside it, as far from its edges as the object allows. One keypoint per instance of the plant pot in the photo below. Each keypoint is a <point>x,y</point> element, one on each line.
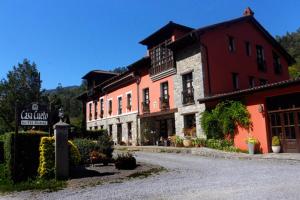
<point>187,142</point>
<point>276,149</point>
<point>251,148</point>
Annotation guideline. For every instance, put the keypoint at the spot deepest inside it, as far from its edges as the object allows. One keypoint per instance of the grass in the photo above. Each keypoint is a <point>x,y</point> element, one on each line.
<point>147,173</point>
<point>34,184</point>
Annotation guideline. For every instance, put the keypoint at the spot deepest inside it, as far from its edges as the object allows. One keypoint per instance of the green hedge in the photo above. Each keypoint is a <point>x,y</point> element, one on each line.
<point>22,164</point>
<point>1,152</point>
<point>46,167</point>
<point>93,135</point>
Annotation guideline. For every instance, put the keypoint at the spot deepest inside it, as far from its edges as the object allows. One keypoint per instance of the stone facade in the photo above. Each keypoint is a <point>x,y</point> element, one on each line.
<point>188,60</point>
<point>123,120</point>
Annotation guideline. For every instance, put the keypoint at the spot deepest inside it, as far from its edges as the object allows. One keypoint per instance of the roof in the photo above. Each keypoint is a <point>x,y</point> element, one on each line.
<point>143,61</point>
<point>196,34</point>
<point>98,72</point>
<point>166,31</point>
<point>239,93</point>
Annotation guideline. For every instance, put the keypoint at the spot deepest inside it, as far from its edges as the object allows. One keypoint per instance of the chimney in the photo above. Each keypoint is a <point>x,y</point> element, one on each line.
<point>248,12</point>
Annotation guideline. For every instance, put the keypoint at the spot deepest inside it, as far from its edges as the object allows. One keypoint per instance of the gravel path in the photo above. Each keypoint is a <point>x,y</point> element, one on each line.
<point>194,177</point>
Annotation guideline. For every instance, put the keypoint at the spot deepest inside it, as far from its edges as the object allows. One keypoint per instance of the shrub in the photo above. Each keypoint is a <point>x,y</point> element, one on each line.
<point>199,142</point>
<point>97,157</point>
<point>23,163</point>
<point>47,157</point>
<point>1,152</point>
<point>104,145</point>
<point>92,135</point>
<point>275,141</point>
<point>178,141</point>
<point>218,144</point>
<point>125,161</point>
<point>224,119</point>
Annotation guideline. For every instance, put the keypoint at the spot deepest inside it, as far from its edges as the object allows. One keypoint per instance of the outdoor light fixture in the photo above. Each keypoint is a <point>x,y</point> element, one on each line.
<point>261,108</point>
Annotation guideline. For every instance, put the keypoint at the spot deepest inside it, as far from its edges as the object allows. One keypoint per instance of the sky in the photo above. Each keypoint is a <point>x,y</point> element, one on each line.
<point>68,38</point>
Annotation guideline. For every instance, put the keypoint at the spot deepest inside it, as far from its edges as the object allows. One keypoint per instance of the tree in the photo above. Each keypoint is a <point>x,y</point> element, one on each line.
<point>291,42</point>
<point>22,86</point>
<point>119,70</point>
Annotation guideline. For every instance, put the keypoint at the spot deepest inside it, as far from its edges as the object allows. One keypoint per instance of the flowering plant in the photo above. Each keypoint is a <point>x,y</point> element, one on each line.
<point>251,140</point>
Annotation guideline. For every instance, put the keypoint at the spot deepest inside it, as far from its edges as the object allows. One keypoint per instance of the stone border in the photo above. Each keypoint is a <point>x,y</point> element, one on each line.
<point>212,153</point>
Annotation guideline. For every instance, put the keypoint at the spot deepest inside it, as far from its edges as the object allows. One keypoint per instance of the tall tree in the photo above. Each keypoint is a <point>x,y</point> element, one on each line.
<point>21,86</point>
<point>291,42</point>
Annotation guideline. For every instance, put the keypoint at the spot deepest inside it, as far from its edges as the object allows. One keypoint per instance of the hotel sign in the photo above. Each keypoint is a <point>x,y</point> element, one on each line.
<point>34,115</point>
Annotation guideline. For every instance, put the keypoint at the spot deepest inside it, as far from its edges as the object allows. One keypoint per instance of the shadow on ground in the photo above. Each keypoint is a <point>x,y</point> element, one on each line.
<point>88,171</point>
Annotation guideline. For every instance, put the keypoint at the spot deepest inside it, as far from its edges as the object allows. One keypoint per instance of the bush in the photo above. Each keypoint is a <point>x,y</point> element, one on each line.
<point>46,168</point>
<point>92,135</point>
<point>199,142</point>
<point>1,152</point>
<point>97,157</point>
<point>178,141</point>
<point>275,141</point>
<point>224,119</point>
<point>104,145</point>
<point>218,144</point>
<point>22,164</point>
<point>47,158</point>
<point>125,161</point>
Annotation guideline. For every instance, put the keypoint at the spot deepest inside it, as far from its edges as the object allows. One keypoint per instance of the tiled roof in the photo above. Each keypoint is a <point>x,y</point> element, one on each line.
<point>250,90</point>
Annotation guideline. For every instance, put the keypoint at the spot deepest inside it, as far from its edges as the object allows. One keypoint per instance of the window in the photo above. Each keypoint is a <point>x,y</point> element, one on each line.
<point>189,125</point>
<point>276,63</point>
<point>95,109</point>
<point>101,108</point>
<point>110,127</point>
<point>248,48</point>
<point>231,44</point>
<point>146,100</point>
<point>188,90</point>
<point>235,81</point>
<point>261,58</point>
<point>129,101</point>
<point>251,82</point>
<point>164,95</point>
<point>129,128</point>
<point>90,111</point>
<point>119,105</point>
<point>263,81</point>
<point>110,107</point>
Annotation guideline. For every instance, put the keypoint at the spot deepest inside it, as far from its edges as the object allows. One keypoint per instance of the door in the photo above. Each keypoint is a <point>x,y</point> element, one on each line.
<point>163,131</point>
<point>119,133</point>
<point>285,124</point>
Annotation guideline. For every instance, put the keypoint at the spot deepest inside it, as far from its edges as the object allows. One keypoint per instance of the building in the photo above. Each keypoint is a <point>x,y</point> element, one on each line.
<point>186,71</point>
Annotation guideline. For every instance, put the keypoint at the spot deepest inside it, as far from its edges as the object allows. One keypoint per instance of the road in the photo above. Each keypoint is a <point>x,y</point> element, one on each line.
<point>194,177</point>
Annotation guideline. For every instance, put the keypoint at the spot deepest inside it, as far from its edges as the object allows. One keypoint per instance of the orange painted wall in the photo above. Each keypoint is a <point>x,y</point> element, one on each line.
<point>132,87</point>
<point>260,120</point>
<point>154,91</point>
<point>223,63</point>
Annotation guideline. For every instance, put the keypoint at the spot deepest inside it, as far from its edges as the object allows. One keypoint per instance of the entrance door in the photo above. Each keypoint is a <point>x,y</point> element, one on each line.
<point>285,124</point>
<point>119,133</point>
<point>163,128</point>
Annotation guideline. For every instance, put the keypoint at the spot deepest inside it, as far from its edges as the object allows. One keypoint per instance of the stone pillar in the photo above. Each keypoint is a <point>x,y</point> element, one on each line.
<point>61,150</point>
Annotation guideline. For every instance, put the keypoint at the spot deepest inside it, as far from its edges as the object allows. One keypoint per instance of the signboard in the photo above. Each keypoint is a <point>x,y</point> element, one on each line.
<point>34,115</point>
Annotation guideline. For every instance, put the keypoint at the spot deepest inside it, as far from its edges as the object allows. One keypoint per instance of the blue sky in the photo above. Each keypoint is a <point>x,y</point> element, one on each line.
<point>68,38</point>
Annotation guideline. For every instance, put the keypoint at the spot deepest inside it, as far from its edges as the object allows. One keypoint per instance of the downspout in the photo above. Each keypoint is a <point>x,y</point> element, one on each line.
<point>138,138</point>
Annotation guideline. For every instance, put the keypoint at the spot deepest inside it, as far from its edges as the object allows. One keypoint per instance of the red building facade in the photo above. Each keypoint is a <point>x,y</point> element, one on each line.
<point>158,94</point>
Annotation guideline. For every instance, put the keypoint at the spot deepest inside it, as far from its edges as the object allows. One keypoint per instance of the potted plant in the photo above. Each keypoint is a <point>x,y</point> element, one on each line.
<point>275,144</point>
<point>178,141</point>
<point>251,141</point>
<point>198,142</point>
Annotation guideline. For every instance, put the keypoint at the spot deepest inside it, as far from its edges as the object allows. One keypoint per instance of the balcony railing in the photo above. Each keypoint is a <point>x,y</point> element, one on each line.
<point>146,106</point>
<point>188,96</point>
<point>160,68</point>
<point>261,64</point>
<point>164,103</point>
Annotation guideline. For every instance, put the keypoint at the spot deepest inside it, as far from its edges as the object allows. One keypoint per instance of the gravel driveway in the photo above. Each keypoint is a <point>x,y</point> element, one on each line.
<point>194,177</point>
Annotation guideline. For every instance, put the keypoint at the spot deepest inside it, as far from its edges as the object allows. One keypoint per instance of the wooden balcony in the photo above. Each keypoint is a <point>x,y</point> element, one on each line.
<point>154,70</point>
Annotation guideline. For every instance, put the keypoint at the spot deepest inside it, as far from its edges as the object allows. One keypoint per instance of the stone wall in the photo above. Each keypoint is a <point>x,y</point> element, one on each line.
<point>188,60</point>
<point>121,119</point>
